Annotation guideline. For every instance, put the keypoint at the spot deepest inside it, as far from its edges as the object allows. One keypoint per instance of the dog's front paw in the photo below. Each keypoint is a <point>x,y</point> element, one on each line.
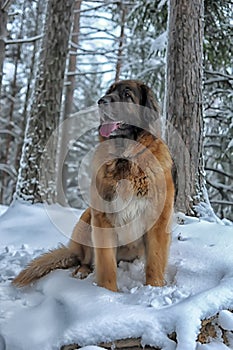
<point>82,271</point>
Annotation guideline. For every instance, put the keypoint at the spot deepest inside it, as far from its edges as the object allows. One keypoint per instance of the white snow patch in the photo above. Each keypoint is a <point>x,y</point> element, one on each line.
<point>226,320</point>
<point>161,4</point>
<point>160,42</point>
<point>3,208</point>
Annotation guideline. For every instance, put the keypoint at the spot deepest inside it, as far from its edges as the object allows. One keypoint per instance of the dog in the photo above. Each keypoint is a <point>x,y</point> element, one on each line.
<point>131,195</point>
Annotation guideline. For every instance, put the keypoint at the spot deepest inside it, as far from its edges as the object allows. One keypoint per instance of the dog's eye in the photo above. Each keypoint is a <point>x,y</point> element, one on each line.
<point>127,94</point>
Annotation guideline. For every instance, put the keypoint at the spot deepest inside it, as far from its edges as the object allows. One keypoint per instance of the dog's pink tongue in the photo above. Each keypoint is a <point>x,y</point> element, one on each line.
<point>108,128</point>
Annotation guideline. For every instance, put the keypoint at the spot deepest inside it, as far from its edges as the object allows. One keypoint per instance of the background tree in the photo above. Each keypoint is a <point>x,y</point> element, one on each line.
<point>146,44</point>
<point>218,106</point>
<point>4,5</point>
<point>122,10</point>
<point>46,104</point>
<point>68,108</point>
<point>184,100</point>
<point>98,52</point>
<point>21,46</point>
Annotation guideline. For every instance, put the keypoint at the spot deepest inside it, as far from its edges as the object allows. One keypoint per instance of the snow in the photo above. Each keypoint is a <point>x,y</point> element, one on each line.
<point>60,309</point>
<point>160,42</point>
<point>226,320</point>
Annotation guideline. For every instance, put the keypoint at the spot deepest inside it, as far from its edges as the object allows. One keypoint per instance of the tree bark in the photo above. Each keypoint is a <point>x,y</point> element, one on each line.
<point>3,22</point>
<point>68,106</point>
<point>184,114</point>
<point>37,174</point>
<point>121,41</point>
<point>71,78</point>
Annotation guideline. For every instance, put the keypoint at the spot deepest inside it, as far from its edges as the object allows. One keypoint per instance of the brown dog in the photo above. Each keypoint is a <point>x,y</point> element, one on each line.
<point>131,195</point>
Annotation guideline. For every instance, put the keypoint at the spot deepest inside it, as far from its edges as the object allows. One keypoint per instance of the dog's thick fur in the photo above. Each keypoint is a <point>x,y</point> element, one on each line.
<point>127,219</point>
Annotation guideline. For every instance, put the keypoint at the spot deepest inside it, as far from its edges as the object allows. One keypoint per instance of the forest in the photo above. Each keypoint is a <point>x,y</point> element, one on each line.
<point>57,60</point>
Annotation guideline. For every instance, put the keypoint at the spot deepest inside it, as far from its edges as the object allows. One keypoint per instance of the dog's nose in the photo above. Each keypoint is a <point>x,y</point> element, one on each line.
<point>104,100</point>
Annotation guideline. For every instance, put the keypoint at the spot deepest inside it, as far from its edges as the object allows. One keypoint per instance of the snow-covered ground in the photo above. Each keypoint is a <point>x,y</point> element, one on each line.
<point>60,309</point>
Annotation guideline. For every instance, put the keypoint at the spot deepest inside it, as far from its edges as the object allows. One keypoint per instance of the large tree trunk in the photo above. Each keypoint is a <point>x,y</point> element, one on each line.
<point>37,174</point>
<point>3,22</point>
<point>184,113</point>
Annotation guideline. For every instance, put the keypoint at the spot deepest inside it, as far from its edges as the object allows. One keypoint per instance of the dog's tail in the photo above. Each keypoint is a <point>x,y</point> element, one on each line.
<point>60,258</point>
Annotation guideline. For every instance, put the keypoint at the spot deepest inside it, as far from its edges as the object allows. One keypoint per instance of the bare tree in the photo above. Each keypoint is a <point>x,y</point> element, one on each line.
<point>71,78</point>
<point>10,139</point>
<point>122,9</point>
<point>68,104</point>
<point>45,110</point>
<point>184,113</point>
<point>4,5</point>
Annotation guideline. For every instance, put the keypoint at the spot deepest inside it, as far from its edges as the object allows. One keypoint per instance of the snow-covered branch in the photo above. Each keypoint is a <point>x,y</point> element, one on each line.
<point>218,77</point>
<point>96,30</point>
<point>94,73</point>
<point>216,80</point>
<point>24,40</point>
<point>218,186</point>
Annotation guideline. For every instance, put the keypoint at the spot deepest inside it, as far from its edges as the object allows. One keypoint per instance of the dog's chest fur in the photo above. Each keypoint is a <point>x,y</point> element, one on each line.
<point>127,209</point>
<point>129,222</point>
<point>132,210</point>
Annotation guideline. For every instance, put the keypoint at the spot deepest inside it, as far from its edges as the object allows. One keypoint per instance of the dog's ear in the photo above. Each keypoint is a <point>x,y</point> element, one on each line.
<point>148,99</point>
<point>151,114</point>
<point>110,89</point>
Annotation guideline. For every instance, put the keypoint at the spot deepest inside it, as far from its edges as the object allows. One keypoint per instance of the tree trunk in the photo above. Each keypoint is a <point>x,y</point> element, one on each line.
<point>10,140</point>
<point>4,5</point>
<point>121,41</point>
<point>3,22</point>
<point>71,77</point>
<point>68,106</point>
<point>37,174</point>
<point>184,114</point>
<point>31,73</point>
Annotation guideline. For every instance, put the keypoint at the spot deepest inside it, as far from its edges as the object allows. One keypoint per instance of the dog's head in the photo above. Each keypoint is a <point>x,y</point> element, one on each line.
<point>128,108</point>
